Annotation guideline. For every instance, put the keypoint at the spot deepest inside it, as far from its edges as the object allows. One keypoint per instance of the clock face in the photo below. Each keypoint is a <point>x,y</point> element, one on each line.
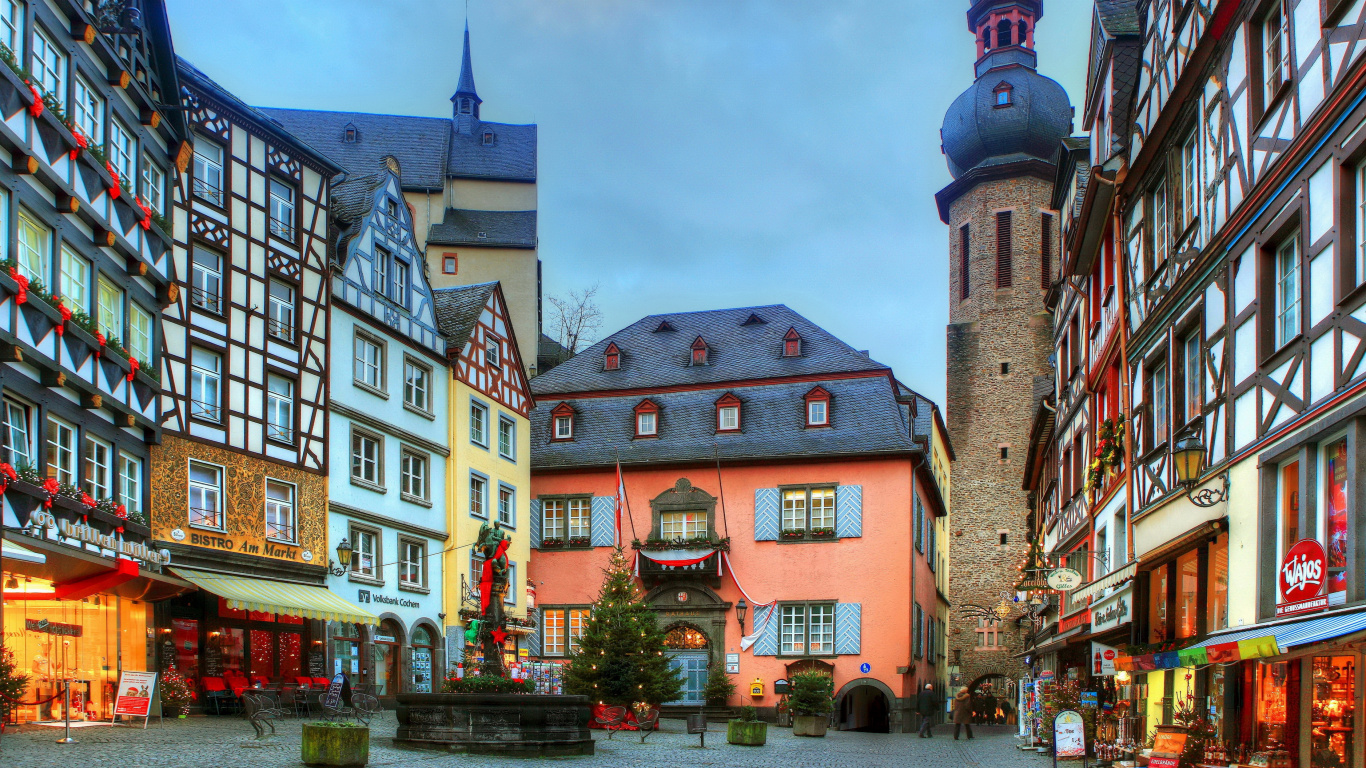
<point>681,597</point>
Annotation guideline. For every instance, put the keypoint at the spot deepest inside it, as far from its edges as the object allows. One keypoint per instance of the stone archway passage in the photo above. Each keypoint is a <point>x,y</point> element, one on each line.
<point>865,705</point>
<point>989,693</point>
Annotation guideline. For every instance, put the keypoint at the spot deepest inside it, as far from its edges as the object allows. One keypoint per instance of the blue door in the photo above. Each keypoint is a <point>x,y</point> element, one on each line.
<point>693,667</point>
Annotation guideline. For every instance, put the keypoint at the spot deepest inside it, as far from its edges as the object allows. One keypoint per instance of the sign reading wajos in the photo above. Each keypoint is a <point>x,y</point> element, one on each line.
<point>1301,579</point>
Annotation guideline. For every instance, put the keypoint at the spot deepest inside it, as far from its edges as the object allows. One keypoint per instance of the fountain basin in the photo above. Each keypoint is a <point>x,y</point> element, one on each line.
<point>495,723</point>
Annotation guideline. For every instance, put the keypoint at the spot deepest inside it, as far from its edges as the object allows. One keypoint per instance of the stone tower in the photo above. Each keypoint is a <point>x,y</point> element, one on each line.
<point>1002,138</point>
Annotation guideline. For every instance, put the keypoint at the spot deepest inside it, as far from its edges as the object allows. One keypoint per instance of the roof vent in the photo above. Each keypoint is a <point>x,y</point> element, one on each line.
<point>483,235</point>
<point>350,134</point>
<point>664,325</point>
<point>754,319</point>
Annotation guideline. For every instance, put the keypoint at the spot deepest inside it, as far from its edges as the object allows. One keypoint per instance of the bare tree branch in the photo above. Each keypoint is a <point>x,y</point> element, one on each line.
<point>575,318</point>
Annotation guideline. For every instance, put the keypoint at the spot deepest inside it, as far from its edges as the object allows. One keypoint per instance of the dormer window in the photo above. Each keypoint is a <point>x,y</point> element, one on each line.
<point>647,419</point>
<point>491,353</point>
<point>1002,92</point>
<point>699,352</point>
<point>792,343</point>
<point>817,408</point>
<point>562,421</point>
<point>488,138</point>
<point>664,325</point>
<point>349,134</point>
<point>611,358</point>
<point>728,413</point>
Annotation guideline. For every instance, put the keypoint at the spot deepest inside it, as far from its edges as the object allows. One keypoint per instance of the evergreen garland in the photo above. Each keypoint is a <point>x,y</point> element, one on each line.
<point>620,658</point>
<point>12,684</point>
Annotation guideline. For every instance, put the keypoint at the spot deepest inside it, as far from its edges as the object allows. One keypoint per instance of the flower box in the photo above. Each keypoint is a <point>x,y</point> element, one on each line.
<point>551,543</point>
<point>580,542</point>
<point>822,533</point>
<point>796,534</point>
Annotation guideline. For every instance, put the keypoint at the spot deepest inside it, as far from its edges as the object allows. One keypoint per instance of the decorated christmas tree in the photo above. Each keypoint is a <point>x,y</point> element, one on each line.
<point>175,692</point>
<point>12,684</point>
<point>620,660</point>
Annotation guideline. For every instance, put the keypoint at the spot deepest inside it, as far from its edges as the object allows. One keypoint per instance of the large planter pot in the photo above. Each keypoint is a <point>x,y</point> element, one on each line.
<point>330,746</point>
<point>809,725</point>
<point>749,734</point>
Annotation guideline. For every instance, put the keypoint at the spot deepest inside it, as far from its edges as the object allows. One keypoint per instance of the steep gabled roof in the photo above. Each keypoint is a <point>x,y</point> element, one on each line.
<point>458,309</point>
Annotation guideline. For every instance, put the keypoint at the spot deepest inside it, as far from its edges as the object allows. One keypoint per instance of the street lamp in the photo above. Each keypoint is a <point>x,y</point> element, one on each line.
<point>741,608</point>
<point>1189,456</point>
<point>343,556</point>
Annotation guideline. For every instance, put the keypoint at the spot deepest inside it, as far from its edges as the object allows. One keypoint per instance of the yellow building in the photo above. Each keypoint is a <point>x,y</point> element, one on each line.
<point>489,469</point>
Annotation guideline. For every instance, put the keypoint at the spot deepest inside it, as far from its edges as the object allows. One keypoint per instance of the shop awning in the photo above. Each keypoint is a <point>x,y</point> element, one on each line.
<point>1111,579</point>
<point>11,551</point>
<point>247,594</point>
<point>1302,632</point>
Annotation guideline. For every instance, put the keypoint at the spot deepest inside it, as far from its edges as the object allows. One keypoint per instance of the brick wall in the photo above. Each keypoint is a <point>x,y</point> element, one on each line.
<point>989,410</point>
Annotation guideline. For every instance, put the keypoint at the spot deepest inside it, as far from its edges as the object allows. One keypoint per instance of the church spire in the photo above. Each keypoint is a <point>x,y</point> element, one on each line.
<point>466,99</point>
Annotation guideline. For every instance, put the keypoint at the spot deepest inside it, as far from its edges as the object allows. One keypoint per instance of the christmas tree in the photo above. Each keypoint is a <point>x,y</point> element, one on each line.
<point>175,692</point>
<point>12,684</point>
<point>620,660</point>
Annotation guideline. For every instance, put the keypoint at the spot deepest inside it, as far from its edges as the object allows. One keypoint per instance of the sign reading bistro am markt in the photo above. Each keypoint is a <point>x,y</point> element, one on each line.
<point>1302,579</point>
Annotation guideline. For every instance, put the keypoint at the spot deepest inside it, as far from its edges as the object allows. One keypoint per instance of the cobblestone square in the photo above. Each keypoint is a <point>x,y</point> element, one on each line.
<point>227,742</point>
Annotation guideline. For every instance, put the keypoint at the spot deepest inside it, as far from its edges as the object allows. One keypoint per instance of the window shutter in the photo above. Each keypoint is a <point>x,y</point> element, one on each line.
<point>535,523</point>
<point>1004,272</point>
<point>848,511</point>
<point>767,514</point>
<point>919,518</point>
<point>1046,248</point>
<point>848,628</point>
<point>604,521</point>
<point>930,555</point>
<point>767,642</point>
<point>533,640</point>
<point>918,622</point>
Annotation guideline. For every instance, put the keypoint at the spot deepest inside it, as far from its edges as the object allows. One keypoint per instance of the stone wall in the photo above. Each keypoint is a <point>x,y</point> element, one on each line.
<point>989,409</point>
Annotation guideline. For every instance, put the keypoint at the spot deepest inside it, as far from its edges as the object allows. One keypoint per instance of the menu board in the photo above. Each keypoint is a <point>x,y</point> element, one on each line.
<point>1069,734</point>
<point>317,664</point>
<point>332,700</point>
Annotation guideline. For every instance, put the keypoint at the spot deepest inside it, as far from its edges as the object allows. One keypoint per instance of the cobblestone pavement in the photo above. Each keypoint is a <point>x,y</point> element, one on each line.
<point>227,742</point>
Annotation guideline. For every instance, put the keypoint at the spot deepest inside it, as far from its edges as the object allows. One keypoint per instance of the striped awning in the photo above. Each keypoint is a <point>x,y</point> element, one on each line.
<point>247,594</point>
<point>1112,579</point>
<point>1302,632</point>
<point>11,551</point>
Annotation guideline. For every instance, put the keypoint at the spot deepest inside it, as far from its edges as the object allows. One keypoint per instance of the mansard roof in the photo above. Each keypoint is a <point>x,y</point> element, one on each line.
<point>507,229</point>
<point>429,148</point>
<point>739,351</point>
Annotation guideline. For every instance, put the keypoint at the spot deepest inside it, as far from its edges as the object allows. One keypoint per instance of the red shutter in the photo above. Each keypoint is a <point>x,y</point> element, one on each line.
<point>1046,244</point>
<point>963,275</point>
<point>1003,250</point>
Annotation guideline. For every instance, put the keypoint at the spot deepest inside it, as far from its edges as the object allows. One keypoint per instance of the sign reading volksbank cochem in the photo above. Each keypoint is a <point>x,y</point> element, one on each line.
<point>1301,579</point>
<point>84,533</point>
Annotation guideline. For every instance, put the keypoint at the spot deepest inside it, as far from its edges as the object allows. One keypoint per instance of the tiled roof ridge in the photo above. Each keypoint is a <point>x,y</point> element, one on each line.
<point>764,381</point>
<point>384,114</point>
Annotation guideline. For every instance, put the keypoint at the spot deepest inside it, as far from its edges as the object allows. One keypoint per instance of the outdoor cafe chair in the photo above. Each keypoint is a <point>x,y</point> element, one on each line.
<point>612,719</point>
<point>648,723</point>
<point>364,707</point>
<point>260,713</point>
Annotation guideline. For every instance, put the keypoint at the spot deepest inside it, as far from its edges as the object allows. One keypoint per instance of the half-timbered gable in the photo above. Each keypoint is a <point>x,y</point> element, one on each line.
<point>251,262</point>
<point>380,270</point>
<point>475,321</point>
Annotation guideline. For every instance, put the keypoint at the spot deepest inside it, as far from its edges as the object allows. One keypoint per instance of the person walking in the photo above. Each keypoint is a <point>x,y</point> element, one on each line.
<point>962,712</point>
<point>989,709</point>
<point>926,706</point>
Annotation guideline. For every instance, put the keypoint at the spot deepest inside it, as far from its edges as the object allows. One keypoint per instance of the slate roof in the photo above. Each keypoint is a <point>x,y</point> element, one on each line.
<point>511,229</point>
<point>193,76</point>
<point>457,310</point>
<point>863,412</point>
<point>1118,17</point>
<point>977,133</point>
<point>737,352</point>
<point>428,148</point>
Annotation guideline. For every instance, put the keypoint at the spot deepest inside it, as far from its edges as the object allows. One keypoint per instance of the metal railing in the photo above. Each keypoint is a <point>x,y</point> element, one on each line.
<point>209,518</point>
<point>280,329</point>
<point>206,300</point>
<point>207,411</point>
<point>202,189</point>
<point>281,229</point>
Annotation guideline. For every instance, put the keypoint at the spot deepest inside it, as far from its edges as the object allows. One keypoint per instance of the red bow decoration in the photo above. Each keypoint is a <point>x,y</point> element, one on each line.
<point>146,213</point>
<point>119,529</point>
<point>51,486</point>
<point>114,190</point>
<point>22,280</point>
<point>87,500</point>
<point>66,315</point>
<point>7,474</point>
<point>486,579</point>
<point>36,108</point>
<point>133,366</point>
<point>122,513</point>
<point>81,142</point>
<point>99,336</point>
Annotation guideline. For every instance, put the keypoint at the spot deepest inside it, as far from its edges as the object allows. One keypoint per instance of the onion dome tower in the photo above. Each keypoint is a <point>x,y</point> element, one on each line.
<point>1002,138</point>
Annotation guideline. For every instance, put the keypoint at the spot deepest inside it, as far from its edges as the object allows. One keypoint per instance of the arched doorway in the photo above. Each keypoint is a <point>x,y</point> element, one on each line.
<point>864,705</point>
<point>993,696</point>
<point>388,655</point>
<point>424,649</point>
<point>689,655</point>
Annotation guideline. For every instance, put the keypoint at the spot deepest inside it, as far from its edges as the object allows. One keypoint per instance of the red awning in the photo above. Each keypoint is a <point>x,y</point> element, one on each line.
<point>124,570</point>
<point>678,557</point>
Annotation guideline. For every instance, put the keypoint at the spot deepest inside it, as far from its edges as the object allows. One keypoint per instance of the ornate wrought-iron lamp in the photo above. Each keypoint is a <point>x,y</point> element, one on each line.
<point>741,609</point>
<point>1189,456</point>
<point>343,556</point>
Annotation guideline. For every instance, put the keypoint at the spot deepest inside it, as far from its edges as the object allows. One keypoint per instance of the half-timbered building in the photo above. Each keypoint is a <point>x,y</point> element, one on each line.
<point>818,453</point>
<point>1242,225</point>
<point>239,480</point>
<point>488,476</point>
<point>388,408</point>
<point>86,152</point>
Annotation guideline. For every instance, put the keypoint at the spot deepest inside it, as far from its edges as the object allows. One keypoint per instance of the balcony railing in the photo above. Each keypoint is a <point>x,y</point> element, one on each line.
<point>209,518</point>
<point>206,300</point>
<point>1104,326</point>
<point>709,568</point>
<point>207,191</point>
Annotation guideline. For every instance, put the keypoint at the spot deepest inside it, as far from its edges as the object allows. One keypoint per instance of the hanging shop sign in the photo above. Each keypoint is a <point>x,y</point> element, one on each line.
<point>88,535</point>
<point>1112,611</point>
<point>1069,735</point>
<point>1068,623</point>
<point>1064,579</point>
<point>1302,577</point>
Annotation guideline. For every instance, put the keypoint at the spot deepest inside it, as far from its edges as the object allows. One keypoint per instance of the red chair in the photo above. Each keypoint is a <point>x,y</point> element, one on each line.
<point>321,682</point>
<point>217,691</point>
<point>304,682</point>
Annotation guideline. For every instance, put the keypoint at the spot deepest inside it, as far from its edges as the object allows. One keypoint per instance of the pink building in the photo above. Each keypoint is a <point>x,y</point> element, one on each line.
<point>781,502</point>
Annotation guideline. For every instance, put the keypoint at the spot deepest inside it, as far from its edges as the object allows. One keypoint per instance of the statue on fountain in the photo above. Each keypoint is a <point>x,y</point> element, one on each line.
<point>492,544</point>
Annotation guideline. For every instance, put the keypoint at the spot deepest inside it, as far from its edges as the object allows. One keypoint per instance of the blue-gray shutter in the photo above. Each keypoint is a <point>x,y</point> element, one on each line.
<point>848,628</point>
<point>849,511</point>
<point>767,643</point>
<point>535,523</point>
<point>533,640</point>
<point>767,514</point>
<point>604,521</point>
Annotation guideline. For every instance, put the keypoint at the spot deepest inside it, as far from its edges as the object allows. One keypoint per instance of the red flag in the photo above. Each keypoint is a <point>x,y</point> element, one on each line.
<point>621,500</point>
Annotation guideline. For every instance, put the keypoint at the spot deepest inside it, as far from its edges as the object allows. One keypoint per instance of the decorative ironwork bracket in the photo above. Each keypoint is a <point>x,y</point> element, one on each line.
<point>1208,497</point>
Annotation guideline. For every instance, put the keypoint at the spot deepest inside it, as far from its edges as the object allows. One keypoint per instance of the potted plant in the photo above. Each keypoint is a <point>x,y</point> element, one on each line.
<point>747,729</point>
<point>811,699</point>
<point>822,533</point>
<point>793,534</point>
<point>336,744</point>
<point>719,687</point>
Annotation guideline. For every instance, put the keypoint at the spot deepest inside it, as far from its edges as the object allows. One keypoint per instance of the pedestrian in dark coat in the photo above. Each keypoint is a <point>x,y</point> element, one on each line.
<point>962,712</point>
<point>927,704</point>
<point>989,710</point>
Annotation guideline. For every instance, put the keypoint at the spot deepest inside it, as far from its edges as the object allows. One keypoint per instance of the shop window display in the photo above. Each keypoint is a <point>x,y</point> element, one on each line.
<point>1218,584</point>
<point>1333,712</point>
<point>1277,704</point>
<point>1187,593</point>
<point>346,647</point>
<point>1157,606</point>
<point>422,660</point>
<point>1334,523</point>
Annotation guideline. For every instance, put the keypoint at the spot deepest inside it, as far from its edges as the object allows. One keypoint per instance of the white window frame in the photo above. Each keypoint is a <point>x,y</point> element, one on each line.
<point>493,353</point>
<point>412,569</point>
<point>282,208</point>
<point>507,438</point>
<point>61,450</point>
<point>48,65</point>
<point>207,182</point>
<point>367,466</point>
<point>553,637</point>
<point>1162,237</point>
<point>554,519</point>
<point>284,510</point>
<point>1190,185</point>
<point>97,476</point>
<point>564,427</point>
<point>797,623</point>
<point>479,423</point>
<point>728,418</point>
<point>366,564</point>
<point>1194,373</point>
<point>1161,394</point>
<point>208,405</point>
<point>19,433</point>
<point>817,412</point>
<point>109,304</point>
<point>1288,289</point>
<point>684,524</point>
<point>507,506</point>
<point>12,27</point>
<point>35,248</point>
<point>206,279</point>
<point>153,186</point>
<point>647,423</point>
<point>130,482</point>
<point>280,310</point>
<point>279,408</point>
<point>206,492</point>
<point>75,286</point>
<point>479,496</point>
<point>368,369</point>
<point>414,475</point>
<point>579,518</point>
<point>140,333</point>
<point>417,379</point>
<point>88,110</point>
<point>401,272</point>
<point>1275,50</point>
<point>123,149</point>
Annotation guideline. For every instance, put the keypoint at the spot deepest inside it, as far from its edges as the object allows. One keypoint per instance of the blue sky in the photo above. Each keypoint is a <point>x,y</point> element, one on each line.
<point>694,154</point>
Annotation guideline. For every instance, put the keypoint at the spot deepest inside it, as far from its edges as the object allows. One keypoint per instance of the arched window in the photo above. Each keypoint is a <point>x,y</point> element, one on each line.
<point>1022,32</point>
<point>1003,33</point>
<point>986,38</point>
<point>423,648</point>
<point>684,638</point>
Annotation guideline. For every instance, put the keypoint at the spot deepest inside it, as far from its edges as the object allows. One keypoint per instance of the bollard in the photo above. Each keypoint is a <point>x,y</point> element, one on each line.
<point>66,715</point>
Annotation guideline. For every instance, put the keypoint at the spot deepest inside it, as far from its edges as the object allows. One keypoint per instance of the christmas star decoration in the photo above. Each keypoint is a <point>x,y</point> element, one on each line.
<point>498,636</point>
